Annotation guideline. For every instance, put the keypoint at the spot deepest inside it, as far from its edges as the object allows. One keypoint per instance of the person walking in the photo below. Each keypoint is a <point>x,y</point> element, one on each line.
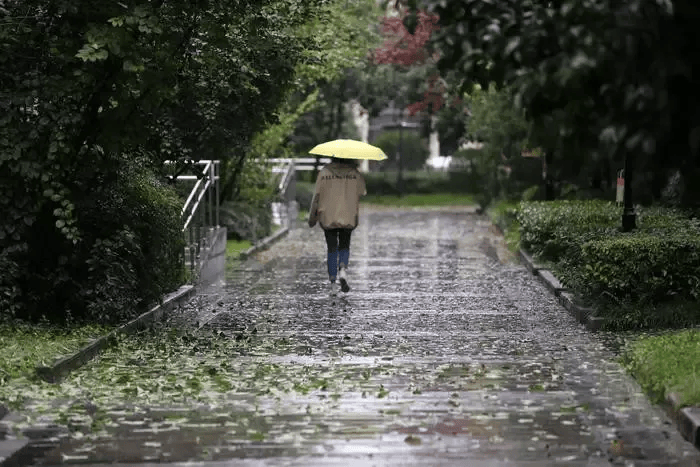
<point>335,207</point>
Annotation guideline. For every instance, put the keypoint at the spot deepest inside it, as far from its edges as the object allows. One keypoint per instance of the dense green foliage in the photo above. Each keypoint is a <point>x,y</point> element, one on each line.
<point>415,182</point>
<point>333,76</point>
<point>646,266</point>
<point>94,97</point>
<point>554,231</point>
<point>313,110</point>
<point>647,278</point>
<point>129,253</point>
<point>414,151</point>
<point>667,363</point>
<point>598,79</point>
<point>498,169</point>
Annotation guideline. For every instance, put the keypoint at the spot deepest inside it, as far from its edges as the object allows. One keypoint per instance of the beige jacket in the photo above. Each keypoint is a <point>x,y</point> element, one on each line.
<point>336,202</point>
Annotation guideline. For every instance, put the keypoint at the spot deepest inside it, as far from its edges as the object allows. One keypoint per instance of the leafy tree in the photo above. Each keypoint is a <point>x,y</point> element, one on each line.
<point>422,88</point>
<point>414,84</point>
<point>414,151</point>
<point>597,70</point>
<point>345,37</point>
<point>87,88</point>
<point>502,128</point>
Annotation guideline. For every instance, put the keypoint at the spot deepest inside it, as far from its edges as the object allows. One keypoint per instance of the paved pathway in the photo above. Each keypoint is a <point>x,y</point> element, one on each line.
<point>445,353</point>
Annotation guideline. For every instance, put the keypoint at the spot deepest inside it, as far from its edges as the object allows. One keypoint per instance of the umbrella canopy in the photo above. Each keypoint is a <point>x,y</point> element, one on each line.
<point>349,149</point>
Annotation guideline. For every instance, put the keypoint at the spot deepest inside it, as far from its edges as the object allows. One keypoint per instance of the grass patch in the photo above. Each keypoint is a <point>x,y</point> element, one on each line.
<point>667,363</point>
<point>23,347</point>
<point>413,200</point>
<point>503,214</point>
<point>236,247</point>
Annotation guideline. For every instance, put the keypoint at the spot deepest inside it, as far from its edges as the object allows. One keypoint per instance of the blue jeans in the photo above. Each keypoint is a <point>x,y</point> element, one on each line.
<point>338,243</point>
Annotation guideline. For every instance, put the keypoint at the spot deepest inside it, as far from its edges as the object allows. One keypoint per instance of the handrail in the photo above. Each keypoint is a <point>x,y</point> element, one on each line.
<point>203,191</point>
<point>202,202</point>
<point>303,163</point>
<point>284,208</point>
<point>196,186</point>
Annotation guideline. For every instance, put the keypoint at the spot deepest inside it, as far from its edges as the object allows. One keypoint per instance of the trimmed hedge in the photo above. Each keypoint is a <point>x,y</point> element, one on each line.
<point>643,266</point>
<point>419,182</point>
<point>645,278</point>
<point>555,230</point>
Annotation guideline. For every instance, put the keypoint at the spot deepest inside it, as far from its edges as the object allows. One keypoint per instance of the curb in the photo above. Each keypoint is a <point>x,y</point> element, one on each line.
<point>565,297</point>
<point>60,368</point>
<point>529,262</point>
<point>264,243</point>
<point>687,419</point>
<point>38,440</point>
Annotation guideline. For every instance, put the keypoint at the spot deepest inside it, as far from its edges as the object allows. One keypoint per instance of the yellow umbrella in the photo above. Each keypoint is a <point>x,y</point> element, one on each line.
<point>349,149</point>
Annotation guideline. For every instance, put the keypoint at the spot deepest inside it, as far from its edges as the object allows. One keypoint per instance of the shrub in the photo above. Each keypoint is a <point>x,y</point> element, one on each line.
<point>555,230</point>
<point>245,220</point>
<point>416,182</point>
<point>128,255</point>
<point>414,150</point>
<point>135,245</point>
<point>642,279</point>
<point>631,315</point>
<point>645,267</point>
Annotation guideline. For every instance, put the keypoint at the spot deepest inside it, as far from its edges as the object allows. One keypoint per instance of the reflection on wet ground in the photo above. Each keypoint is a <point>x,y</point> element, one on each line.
<point>445,352</point>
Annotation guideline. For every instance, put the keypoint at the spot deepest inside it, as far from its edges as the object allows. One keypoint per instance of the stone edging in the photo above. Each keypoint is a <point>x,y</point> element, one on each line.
<point>687,419</point>
<point>264,243</point>
<point>62,367</point>
<point>17,452</point>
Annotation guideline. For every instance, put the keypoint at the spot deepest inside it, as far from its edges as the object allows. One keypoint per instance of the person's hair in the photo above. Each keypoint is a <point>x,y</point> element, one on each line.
<point>350,162</point>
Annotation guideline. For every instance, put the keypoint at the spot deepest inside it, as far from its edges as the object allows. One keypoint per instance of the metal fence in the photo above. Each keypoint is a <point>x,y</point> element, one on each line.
<point>200,214</point>
<point>284,208</point>
<point>304,163</point>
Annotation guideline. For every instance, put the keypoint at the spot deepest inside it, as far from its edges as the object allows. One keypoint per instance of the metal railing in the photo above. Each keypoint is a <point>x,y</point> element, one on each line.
<point>200,213</point>
<point>303,163</point>
<point>285,209</point>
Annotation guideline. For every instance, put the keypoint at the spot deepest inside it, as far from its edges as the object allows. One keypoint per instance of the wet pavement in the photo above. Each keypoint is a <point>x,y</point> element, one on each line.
<point>446,352</point>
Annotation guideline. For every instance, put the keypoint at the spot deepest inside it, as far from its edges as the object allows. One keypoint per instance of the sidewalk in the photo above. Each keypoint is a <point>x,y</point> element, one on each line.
<point>446,352</point>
